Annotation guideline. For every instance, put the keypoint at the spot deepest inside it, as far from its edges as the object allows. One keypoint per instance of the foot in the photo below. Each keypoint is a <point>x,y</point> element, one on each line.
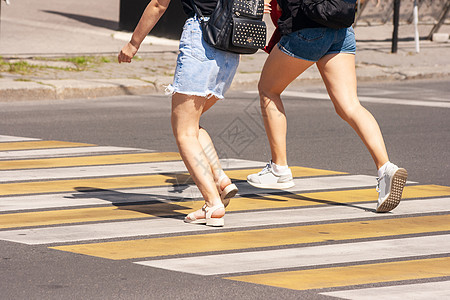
<point>227,190</point>
<point>390,187</point>
<point>267,179</point>
<point>211,216</point>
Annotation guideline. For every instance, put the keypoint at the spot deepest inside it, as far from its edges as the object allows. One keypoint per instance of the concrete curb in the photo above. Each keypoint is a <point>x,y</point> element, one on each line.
<point>11,90</point>
<point>70,89</point>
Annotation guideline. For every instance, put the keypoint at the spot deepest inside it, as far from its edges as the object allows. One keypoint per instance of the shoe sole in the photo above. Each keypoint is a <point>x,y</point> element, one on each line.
<point>228,192</point>
<point>277,186</point>
<point>213,222</point>
<point>397,184</point>
<point>198,221</point>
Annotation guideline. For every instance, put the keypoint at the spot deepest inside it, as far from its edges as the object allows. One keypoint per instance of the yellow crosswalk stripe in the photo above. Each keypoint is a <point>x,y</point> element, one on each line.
<point>89,160</point>
<point>67,216</point>
<point>426,191</point>
<point>352,275</point>
<point>260,238</point>
<point>39,145</point>
<point>331,197</point>
<point>69,185</point>
<point>363,195</point>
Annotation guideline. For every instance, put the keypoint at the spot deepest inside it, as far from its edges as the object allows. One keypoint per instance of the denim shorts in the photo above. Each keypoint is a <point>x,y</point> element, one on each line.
<point>202,70</point>
<point>314,43</point>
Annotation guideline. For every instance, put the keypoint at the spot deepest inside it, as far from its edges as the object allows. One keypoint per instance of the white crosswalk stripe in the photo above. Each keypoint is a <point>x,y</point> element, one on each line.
<point>75,233</point>
<point>113,170</point>
<point>418,291</point>
<point>305,256</point>
<point>170,193</point>
<point>64,152</point>
<point>7,138</point>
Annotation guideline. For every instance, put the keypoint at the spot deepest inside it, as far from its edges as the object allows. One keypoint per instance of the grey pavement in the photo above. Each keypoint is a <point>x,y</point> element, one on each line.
<point>37,38</point>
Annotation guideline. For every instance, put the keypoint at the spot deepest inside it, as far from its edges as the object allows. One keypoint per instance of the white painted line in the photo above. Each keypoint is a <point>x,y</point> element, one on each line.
<point>245,220</point>
<point>172,192</point>
<point>405,102</point>
<point>418,291</point>
<point>304,256</point>
<point>113,170</point>
<point>63,152</point>
<point>7,138</point>
<point>323,96</point>
<point>150,40</point>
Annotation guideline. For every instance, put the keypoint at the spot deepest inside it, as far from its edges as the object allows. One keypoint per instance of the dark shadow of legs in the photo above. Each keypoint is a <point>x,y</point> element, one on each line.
<point>151,204</point>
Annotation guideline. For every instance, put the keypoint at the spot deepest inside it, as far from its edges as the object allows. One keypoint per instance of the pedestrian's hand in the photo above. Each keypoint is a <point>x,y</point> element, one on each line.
<point>127,53</point>
<point>267,6</point>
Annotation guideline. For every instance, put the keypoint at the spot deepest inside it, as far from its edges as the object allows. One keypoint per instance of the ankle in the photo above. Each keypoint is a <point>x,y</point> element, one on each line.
<point>218,212</point>
<point>382,169</point>
<point>280,169</point>
<point>213,203</point>
<point>223,181</point>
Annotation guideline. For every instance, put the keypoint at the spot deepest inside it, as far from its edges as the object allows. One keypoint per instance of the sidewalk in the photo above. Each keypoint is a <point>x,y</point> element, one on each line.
<point>38,47</point>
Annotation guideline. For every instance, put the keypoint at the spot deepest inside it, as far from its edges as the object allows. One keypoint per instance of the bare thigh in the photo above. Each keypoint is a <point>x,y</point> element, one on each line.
<point>280,70</point>
<point>339,75</point>
<point>186,112</point>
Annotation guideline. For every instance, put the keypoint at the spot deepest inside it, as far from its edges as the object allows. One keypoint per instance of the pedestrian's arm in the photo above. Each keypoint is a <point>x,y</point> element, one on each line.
<point>154,10</point>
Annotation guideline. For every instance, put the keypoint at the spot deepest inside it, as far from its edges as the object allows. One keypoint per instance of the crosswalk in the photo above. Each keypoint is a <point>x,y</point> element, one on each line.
<point>122,203</point>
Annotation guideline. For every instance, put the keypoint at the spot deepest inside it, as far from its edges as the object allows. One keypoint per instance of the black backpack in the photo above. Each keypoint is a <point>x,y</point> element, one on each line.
<point>330,13</point>
<point>235,26</point>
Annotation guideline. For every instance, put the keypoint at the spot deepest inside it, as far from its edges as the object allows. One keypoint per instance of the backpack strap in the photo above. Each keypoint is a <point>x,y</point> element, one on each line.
<point>197,11</point>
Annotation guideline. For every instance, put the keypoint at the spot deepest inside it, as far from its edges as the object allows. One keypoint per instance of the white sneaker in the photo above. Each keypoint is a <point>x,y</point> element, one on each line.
<point>390,187</point>
<point>267,179</point>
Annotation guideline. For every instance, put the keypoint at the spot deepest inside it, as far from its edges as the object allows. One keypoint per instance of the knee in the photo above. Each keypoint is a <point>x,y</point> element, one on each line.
<point>185,138</point>
<point>267,95</point>
<point>184,135</point>
<point>349,112</point>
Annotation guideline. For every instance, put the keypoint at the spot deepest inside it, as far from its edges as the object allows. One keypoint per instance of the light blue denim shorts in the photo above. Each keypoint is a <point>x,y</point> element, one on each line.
<point>202,70</point>
<point>313,43</point>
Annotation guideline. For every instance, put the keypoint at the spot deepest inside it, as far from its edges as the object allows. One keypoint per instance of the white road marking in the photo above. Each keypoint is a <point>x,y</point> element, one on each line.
<point>7,138</point>
<point>112,170</point>
<point>323,96</point>
<point>243,220</point>
<point>169,193</point>
<point>418,291</point>
<point>304,256</point>
<point>64,152</point>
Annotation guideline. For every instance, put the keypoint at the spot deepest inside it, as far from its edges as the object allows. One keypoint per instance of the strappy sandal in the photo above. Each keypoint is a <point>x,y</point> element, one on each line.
<point>208,220</point>
<point>228,192</point>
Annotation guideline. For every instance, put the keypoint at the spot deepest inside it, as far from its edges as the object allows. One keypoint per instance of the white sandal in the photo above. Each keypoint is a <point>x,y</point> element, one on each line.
<point>228,192</point>
<point>208,220</point>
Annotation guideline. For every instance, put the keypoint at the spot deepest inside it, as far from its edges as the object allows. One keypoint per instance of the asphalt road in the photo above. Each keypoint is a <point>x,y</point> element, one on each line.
<point>417,137</point>
<point>416,130</point>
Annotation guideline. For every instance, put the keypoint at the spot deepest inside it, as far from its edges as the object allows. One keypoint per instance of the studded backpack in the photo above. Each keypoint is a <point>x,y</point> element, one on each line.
<point>235,26</point>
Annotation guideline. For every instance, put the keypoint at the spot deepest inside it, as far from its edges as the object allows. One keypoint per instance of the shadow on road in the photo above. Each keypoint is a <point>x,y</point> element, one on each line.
<point>167,206</point>
<point>108,24</point>
<point>151,204</point>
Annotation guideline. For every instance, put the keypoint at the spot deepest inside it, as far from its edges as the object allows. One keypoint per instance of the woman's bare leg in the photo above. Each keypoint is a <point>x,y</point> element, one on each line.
<point>210,151</point>
<point>339,75</point>
<point>278,72</point>
<point>186,112</point>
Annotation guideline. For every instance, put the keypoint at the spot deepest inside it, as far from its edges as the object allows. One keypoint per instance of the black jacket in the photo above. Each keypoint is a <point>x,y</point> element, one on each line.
<point>292,18</point>
<point>206,7</point>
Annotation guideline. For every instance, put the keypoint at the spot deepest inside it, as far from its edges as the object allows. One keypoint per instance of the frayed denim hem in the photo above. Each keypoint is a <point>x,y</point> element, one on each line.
<point>170,90</point>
